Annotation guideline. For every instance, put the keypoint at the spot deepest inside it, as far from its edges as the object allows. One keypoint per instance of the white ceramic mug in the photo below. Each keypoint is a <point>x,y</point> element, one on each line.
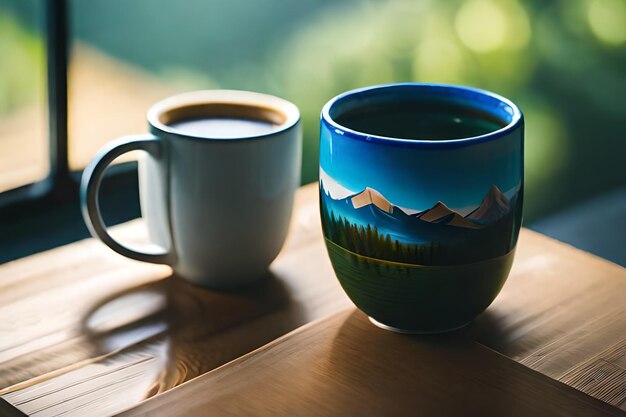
<point>217,209</point>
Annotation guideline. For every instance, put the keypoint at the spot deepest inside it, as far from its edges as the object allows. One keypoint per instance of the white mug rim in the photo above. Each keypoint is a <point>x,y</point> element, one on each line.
<point>239,97</point>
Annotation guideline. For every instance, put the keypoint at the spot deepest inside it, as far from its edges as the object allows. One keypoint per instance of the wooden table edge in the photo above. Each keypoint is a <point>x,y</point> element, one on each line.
<point>245,356</point>
<point>561,386</point>
<point>8,410</point>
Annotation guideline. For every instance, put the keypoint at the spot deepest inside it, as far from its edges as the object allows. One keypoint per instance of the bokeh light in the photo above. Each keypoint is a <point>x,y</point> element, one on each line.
<point>607,19</point>
<point>488,25</point>
<point>562,61</point>
<point>438,57</point>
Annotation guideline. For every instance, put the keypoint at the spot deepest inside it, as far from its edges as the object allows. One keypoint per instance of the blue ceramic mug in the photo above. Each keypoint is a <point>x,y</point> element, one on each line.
<point>421,190</point>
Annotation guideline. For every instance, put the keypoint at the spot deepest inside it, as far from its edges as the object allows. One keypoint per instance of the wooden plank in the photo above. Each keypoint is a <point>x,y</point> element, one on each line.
<point>603,376</point>
<point>121,310</point>
<point>82,305</point>
<point>343,366</point>
<point>558,313</point>
<point>554,290</point>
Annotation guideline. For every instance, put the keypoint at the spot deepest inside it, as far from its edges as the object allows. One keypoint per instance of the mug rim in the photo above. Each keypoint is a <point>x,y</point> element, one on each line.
<point>227,97</point>
<point>452,90</point>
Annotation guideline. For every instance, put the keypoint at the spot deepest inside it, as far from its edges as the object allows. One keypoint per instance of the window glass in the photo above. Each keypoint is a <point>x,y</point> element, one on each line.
<point>23,123</point>
<point>563,62</point>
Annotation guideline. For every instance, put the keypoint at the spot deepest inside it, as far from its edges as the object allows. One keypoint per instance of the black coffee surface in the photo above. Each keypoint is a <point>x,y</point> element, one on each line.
<point>223,127</point>
<point>420,120</point>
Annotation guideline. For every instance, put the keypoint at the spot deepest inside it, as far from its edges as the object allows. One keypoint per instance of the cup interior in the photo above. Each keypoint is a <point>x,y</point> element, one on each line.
<point>231,104</point>
<point>421,112</point>
<point>231,110</point>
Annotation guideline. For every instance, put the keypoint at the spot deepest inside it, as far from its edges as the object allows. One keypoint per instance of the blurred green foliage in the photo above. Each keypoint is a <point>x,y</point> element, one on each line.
<point>563,62</point>
<point>21,62</point>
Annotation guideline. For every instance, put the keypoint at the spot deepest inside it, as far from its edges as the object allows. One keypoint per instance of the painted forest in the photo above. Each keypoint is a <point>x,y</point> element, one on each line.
<point>366,241</point>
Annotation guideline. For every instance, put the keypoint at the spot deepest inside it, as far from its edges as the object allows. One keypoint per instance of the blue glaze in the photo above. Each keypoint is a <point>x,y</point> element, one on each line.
<point>421,233</point>
<point>484,100</point>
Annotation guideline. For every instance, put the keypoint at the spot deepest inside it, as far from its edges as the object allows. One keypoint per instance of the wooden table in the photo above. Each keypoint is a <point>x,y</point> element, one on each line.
<point>84,331</point>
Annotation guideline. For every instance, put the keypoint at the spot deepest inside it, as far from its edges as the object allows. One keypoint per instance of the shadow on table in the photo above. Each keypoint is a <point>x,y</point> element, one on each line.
<point>489,329</point>
<point>408,369</point>
<point>182,330</point>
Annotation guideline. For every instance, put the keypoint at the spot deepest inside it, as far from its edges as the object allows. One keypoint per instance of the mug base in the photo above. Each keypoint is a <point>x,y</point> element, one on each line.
<point>411,331</point>
<point>228,284</point>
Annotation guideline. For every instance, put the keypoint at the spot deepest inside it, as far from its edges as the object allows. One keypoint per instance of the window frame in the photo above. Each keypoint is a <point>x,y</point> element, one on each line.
<point>61,184</point>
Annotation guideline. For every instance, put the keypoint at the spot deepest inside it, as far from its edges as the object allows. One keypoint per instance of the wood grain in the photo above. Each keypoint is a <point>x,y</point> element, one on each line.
<point>70,317</point>
<point>73,316</point>
<point>562,312</point>
<point>341,366</point>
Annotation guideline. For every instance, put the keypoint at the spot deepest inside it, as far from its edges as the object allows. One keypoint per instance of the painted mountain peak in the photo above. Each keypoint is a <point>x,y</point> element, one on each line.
<point>459,221</point>
<point>371,196</point>
<point>494,206</point>
<point>369,224</point>
<point>440,213</point>
<point>435,213</point>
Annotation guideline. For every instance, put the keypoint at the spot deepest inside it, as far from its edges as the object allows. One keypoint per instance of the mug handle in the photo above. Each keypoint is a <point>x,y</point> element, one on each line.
<point>90,186</point>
